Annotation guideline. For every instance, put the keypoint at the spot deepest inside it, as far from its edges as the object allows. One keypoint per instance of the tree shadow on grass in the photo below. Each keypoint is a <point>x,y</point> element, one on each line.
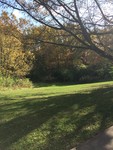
<point>65,120</point>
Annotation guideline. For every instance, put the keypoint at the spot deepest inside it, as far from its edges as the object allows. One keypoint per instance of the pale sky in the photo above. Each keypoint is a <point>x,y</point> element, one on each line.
<point>107,8</point>
<point>18,14</point>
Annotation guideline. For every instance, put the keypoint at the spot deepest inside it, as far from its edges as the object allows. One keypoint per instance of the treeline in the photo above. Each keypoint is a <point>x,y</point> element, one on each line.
<point>33,52</point>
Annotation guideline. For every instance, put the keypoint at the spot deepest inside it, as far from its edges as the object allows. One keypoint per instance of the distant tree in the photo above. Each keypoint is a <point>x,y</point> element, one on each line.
<point>48,57</point>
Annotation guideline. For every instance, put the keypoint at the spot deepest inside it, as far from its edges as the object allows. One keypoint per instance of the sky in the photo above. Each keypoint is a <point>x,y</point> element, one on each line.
<point>107,7</point>
<point>18,14</point>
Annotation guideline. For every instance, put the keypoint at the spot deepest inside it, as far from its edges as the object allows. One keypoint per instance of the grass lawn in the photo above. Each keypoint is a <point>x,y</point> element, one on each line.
<point>54,117</point>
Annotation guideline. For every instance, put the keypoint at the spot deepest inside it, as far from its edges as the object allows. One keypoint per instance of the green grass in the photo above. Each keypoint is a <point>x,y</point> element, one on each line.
<point>55,117</point>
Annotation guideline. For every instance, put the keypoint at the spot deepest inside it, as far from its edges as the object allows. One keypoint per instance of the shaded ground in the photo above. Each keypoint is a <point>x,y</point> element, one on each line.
<point>58,122</point>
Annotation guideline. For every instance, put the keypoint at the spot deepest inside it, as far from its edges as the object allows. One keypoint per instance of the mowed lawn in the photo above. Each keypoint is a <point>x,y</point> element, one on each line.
<point>54,117</point>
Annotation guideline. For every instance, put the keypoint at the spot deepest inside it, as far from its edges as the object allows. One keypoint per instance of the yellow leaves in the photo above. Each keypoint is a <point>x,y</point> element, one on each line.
<point>14,60</point>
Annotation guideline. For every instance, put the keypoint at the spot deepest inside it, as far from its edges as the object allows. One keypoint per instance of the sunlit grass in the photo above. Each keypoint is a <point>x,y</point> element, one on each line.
<point>54,117</point>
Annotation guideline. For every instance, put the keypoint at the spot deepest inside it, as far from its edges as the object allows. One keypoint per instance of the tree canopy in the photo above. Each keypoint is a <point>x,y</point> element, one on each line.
<point>14,59</point>
<point>86,21</point>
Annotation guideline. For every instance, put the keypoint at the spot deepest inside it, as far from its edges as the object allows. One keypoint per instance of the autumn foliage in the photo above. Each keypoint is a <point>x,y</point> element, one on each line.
<point>14,60</point>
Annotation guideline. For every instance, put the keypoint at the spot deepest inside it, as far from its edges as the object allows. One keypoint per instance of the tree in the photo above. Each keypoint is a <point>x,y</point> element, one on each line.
<point>49,59</point>
<point>14,60</point>
<point>86,21</point>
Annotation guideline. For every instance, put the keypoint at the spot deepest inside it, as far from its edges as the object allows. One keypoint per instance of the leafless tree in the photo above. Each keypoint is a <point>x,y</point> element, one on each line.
<point>89,22</point>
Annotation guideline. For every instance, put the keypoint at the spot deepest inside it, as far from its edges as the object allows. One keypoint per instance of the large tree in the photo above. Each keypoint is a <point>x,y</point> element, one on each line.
<point>14,60</point>
<point>86,21</point>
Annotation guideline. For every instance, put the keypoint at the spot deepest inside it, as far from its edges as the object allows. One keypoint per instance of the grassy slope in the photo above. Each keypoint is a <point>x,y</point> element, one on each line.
<point>54,117</point>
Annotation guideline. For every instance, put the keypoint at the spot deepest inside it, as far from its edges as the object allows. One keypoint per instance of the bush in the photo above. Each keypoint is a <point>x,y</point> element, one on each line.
<point>64,75</point>
<point>15,82</point>
<point>25,83</point>
<point>94,73</point>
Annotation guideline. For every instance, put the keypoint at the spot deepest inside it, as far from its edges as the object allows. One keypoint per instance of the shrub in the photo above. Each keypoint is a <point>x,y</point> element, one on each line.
<point>11,82</point>
<point>25,83</point>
